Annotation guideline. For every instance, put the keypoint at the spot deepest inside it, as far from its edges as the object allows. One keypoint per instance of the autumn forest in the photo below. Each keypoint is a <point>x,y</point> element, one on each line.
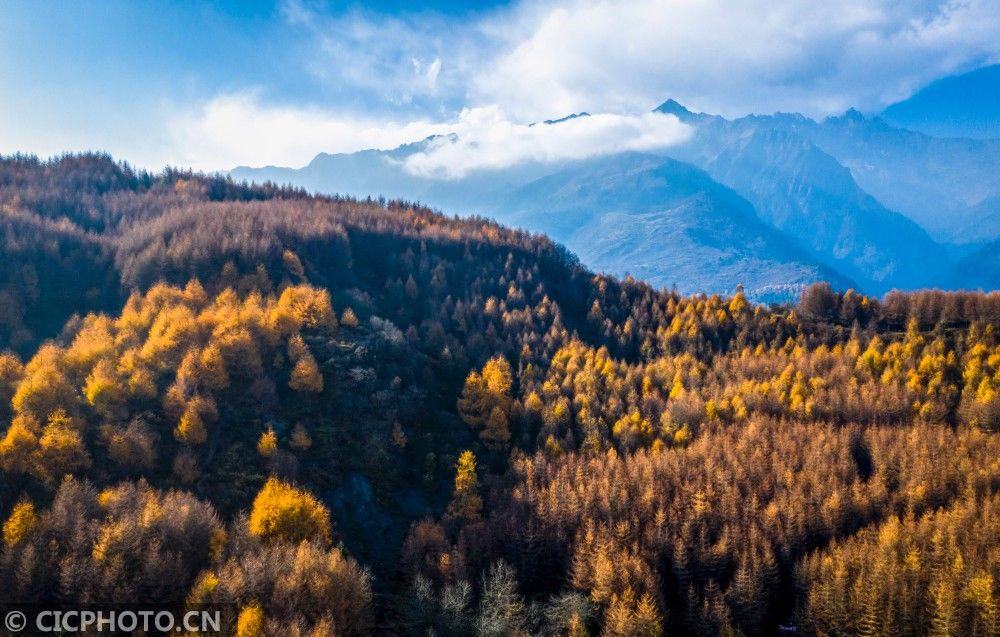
<point>363,417</point>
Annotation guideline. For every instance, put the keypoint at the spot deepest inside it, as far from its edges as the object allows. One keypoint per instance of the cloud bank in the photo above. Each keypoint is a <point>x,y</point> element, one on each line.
<point>487,76</point>
<point>737,57</point>
<point>240,129</point>
<point>539,59</point>
<point>484,138</point>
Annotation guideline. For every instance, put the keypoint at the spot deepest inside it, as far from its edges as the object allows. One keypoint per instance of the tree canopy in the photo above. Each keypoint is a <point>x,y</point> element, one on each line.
<point>364,417</point>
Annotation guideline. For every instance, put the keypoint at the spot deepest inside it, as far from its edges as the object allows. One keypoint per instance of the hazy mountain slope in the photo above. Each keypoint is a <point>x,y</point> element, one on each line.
<point>979,270</point>
<point>958,106</point>
<point>856,192</point>
<point>805,192</point>
<point>939,183</point>
<point>983,221</point>
<point>374,173</point>
<point>671,208</point>
<point>364,173</point>
<point>666,222</point>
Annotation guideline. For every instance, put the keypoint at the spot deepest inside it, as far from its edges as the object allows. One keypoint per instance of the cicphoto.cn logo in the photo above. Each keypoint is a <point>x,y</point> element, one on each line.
<point>40,621</point>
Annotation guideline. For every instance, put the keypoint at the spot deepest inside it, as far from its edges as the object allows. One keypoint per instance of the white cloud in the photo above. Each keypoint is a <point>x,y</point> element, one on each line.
<point>737,57</point>
<point>239,128</point>
<point>397,79</point>
<point>429,71</point>
<point>539,59</point>
<point>383,60</point>
<point>367,80</point>
<point>486,139</point>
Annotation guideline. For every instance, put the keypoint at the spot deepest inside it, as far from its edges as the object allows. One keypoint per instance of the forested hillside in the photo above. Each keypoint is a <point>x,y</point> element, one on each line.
<point>342,417</point>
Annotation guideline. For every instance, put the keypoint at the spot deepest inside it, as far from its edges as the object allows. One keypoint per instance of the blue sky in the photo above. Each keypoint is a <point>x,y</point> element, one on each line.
<point>216,85</point>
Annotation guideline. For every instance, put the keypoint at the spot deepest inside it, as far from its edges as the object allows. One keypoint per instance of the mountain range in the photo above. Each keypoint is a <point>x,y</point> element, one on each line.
<point>772,203</point>
<point>955,106</point>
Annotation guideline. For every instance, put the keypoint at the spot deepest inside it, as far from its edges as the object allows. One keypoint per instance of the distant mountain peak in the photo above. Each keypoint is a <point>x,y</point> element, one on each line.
<point>566,119</point>
<point>550,122</point>
<point>673,107</point>
<point>790,117</point>
<point>681,112</point>
<point>853,114</point>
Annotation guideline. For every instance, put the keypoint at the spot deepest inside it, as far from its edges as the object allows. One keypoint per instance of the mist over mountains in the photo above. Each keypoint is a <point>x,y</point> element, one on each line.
<point>772,203</point>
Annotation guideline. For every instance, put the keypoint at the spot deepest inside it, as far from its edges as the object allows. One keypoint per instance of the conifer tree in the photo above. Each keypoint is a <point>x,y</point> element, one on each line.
<point>466,504</point>
<point>20,524</point>
<point>283,512</point>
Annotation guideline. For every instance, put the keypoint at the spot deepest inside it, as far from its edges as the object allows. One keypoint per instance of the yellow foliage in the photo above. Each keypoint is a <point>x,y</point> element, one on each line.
<point>250,622</point>
<point>677,390</point>
<point>348,318</point>
<point>552,447</point>
<point>466,503</point>
<point>20,524</point>
<point>141,382</point>
<point>103,388</point>
<point>203,589</point>
<point>108,497</point>
<point>303,306</point>
<point>60,448</point>
<point>738,304</point>
<point>191,429</point>
<point>44,388</point>
<point>283,512</point>
<point>109,540</point>
<point>305,375</point>
<point>486,401</point>
<point>11,368</point>
<point>293,264</point>
<point>533,403</point>
<point>297,347</point>
<point>212,368</point>
<point>94,341</point>
<point>11,371</point>
<point>871,359</point>
<point>473,405</point>
<point>194,293</point>
<point>497,375</point>
<point>267,445</point>
<point>239,350</point>
<point>711,410</point>
<point>682,437</point>
<point>175,400</point>
<point>739,408</point>
<point>979,593</point>
<point>170,335</point>
<point>203,343</point>
<point>19,444</point>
